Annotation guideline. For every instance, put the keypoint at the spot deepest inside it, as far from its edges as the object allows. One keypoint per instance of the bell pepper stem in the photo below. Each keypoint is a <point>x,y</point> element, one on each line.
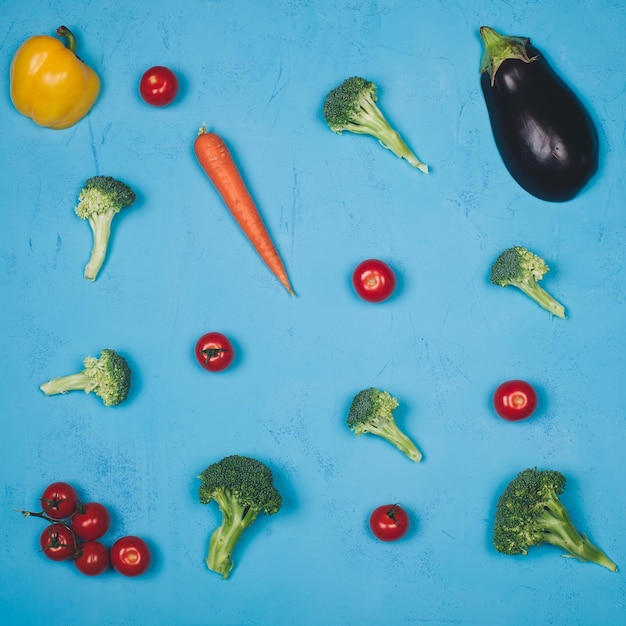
<point>64,31</point>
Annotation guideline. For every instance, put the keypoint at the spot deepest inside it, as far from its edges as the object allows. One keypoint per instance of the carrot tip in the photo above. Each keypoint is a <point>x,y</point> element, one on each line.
<point>284,281</point>
<point>202,130</point>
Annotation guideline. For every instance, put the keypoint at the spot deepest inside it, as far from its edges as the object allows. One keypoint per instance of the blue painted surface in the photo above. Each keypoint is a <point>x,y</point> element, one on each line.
<point>257,73</point>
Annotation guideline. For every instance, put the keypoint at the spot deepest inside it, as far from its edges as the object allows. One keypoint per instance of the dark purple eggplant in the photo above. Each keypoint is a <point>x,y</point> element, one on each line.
<point>544,134</point>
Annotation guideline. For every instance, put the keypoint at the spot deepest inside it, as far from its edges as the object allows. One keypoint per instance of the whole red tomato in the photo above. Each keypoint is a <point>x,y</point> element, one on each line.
<point>389,522</point>
<point>90,521</point>
<point>515,400</point>
<point>59,500</point>
<point>158,86</point>
<point>214,352</point>
<point>373,280</point>
<point>130,556</point>
<point>92,558</point>
<point>58,542</point>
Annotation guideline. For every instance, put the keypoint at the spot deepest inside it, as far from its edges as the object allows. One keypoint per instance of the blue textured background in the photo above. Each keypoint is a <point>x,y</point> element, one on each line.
<point>257,72</point>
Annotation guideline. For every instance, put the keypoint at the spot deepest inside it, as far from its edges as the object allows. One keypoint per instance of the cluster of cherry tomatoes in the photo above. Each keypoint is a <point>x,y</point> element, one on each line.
<point>73,532</point>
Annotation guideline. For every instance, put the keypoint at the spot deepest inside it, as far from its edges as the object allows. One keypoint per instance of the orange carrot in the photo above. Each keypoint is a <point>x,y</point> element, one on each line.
<point>216,160</point>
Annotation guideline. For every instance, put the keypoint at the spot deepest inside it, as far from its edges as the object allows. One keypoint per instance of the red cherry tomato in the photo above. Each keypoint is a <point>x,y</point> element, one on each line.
<point>515,400</point>
<point>130,556</point>
<point>214,352</point>
<point>59,500</point>
<point>158,86</point>
<point>389,522</point>
<point>92,559</point>
<point>90,521</point>
<point>58,542</point>
<point>374,280</point>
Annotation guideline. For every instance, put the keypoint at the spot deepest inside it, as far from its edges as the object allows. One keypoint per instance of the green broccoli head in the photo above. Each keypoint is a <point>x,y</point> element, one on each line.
<point>529,513</point>
<point>521,268</point>
<point>102,194</point>
<point>100,199</point>
<point>371,412</point>
<point>352,106</point>
<point>243,488</point>
<point>343,105</point>
<point>107,376</point>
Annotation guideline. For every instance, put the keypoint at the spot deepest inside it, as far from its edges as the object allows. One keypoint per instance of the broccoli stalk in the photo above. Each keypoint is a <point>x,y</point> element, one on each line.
<point>371,412</point>
<point>101,198</point>
<point>518,267</point>
<point>529,513</point>
<point>243,488</point>
<point>352,106</point>
<point>107,376</point>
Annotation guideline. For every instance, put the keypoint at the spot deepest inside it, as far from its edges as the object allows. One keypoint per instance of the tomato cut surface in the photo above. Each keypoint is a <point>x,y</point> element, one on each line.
<point>515,400</point>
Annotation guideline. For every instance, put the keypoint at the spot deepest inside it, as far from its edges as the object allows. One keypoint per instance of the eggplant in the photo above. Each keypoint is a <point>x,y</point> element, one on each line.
<point>544,134</point>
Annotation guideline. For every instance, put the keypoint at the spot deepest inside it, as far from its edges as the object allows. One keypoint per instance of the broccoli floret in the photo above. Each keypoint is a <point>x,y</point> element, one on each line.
<point>530,513</point>
<point>243,488</point>
<point>352,107</point>
<point>107,376</point>
<point>371,412</point>
<point>521,268</point>
<point>99,201</point>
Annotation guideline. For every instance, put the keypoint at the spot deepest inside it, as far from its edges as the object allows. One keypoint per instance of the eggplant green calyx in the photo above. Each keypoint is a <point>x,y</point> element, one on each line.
<point>499,48</point>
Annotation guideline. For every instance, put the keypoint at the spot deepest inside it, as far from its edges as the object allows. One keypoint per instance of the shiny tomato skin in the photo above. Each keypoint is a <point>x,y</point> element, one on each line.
<point>91,521</point>
<point>389,522</point>
<point>130,556</point>
<point>214,352</point>
<point>59,500</point>
<point>515,400</point>
<point>93,558</point>
<point>373,280</point>
<point>58,542</point>
<point>158,86</point>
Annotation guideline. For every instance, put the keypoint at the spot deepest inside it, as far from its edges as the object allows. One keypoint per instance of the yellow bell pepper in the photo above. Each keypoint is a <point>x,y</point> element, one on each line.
<point>50,84</point>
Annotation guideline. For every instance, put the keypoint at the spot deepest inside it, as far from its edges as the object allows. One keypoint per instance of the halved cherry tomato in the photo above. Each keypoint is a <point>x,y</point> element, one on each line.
<point>389,522</point>
<point>130,556</point>
<point>515,400</point>
<point>214,352</point>
<point>92,559</point>
<point>373,280</point>
<point>59,500</point>
<point>90,521</point>
<point>158,86</point>
<point>58,542</point>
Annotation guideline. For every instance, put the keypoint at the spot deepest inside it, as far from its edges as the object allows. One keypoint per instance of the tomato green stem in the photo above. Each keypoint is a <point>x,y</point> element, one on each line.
<point>42,515</point>
<point>391,514</point>
<point>210,353</point>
